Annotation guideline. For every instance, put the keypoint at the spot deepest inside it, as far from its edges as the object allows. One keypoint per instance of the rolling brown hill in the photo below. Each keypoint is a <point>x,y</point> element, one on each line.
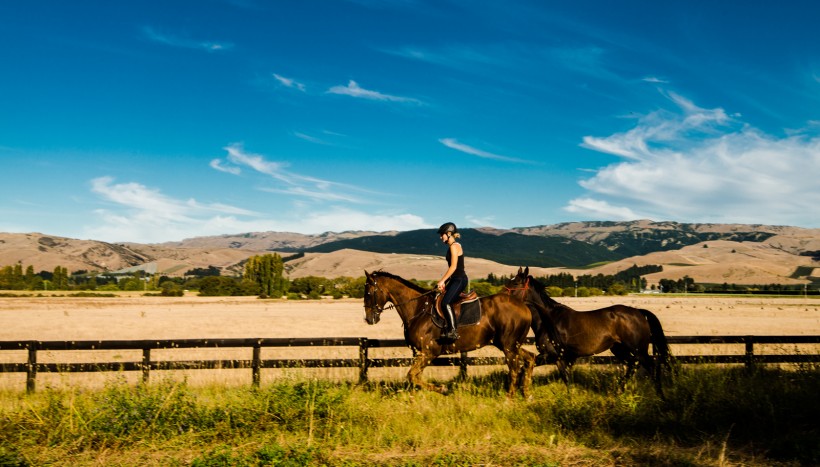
<point>781,258</point>
<point>45,252</point>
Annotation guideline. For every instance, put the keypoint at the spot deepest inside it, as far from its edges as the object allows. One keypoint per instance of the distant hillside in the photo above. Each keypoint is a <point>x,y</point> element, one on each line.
<point>271,241</point>
<point>624,239</point>
<point>707,252</point>
<point>642,237</point>
<point>505,248</point>
<point>45,252</point>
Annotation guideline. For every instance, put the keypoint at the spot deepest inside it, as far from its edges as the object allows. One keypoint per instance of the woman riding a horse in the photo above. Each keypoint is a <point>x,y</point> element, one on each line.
<point>454,280</point>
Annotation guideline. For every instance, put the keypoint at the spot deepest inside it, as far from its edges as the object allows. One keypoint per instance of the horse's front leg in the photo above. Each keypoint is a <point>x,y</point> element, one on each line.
<point>420,362</point>
<point>512,359</point>
<point>526,374</point>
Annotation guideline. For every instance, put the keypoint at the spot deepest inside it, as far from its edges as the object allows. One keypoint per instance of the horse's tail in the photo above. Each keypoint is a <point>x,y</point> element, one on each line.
<point>660,346</point>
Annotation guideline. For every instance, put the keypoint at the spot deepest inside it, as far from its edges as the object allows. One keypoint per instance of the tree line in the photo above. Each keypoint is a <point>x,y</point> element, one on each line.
<point>264,276</point>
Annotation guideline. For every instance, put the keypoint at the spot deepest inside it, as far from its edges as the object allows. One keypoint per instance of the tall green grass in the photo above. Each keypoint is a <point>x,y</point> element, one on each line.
<point>712,416</point>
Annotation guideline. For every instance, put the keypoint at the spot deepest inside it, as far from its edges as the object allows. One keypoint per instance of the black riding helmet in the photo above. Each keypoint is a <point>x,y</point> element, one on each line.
<point>447,227</point>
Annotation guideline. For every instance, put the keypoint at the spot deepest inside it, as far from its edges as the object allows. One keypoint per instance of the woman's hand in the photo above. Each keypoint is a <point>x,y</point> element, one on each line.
<point>440,285</point>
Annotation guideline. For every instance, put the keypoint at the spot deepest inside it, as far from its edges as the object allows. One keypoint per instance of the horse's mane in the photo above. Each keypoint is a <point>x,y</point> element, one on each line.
<point>404,281</point>
<point>542,292</point>
<point>547,321</point>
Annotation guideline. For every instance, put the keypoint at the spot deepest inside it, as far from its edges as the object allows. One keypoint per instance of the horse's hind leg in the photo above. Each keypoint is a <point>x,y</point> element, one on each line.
<point>420,362</point>
<point>625,355</point>
<point>654,370</point>
<point>564,367</point>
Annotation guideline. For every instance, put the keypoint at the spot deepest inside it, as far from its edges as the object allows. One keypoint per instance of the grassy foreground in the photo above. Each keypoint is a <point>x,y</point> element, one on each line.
<point>713,416</point>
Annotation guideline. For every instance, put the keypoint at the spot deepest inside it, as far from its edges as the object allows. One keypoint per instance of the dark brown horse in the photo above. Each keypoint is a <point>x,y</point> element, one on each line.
<point>565,334</point>
<point>505,323</point>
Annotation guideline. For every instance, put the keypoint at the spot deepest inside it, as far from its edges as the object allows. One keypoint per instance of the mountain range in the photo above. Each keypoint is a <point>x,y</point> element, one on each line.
<point>734,253</point>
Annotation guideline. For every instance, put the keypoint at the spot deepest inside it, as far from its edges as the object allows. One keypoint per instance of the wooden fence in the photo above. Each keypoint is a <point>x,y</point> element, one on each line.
<point>31,367</point>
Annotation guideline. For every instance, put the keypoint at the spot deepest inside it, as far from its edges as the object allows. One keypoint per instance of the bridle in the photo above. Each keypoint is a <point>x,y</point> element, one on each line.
<point>379,309</point>
<point>525,287</point>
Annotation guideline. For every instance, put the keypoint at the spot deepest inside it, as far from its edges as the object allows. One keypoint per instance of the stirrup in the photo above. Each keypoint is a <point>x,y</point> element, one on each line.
<point>450,335</point>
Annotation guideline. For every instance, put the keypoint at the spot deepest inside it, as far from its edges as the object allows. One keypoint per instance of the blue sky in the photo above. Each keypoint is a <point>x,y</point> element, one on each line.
<point>158,121</point>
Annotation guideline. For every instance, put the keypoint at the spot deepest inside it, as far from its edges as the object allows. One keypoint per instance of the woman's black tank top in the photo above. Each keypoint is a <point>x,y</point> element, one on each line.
<point>459,272</point>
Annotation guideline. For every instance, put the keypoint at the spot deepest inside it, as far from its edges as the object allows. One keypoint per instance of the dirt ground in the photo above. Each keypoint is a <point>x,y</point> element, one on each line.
<point>137,317</point>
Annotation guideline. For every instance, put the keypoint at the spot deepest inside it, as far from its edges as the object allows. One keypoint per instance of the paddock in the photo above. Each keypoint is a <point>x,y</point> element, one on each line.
<point>244,340</point>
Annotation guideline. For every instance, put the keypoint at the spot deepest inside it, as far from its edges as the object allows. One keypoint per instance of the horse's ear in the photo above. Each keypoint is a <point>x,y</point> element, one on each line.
<point>527,271</point>
<point>519,270</point>
<point>366,274</point>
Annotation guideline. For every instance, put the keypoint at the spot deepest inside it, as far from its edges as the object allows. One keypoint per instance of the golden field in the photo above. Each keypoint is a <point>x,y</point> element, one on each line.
<point>136,317</point>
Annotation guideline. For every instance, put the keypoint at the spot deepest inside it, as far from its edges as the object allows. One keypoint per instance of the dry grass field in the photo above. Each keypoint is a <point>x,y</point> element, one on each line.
<point>135,317</point>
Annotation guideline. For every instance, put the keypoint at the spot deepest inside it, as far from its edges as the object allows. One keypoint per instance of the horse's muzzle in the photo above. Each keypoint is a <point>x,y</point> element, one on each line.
<point>372,317</point>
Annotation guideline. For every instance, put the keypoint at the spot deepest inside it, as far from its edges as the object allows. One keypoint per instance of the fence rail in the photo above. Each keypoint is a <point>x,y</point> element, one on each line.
<point>256,363</point>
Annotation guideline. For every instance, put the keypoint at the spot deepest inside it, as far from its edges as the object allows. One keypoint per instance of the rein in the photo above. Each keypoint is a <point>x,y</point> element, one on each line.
<point>396,305</point>
<point>380,309</point>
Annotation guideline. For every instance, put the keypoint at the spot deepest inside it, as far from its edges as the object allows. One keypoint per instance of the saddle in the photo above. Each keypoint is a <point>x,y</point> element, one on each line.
<point>462,298</point>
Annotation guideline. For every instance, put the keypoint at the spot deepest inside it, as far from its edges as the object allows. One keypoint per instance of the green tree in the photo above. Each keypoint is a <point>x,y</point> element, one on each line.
<point>214,286</point>
<point>554,291</point>
<point>5,277</point>
<point>355,288</point>
<point>171,289</point>
<point>59,280</point>
<point>311,286</point>
<point>133,283</point>
<point>618,288</point>
<point>266,271</point>
<point>483,288</point>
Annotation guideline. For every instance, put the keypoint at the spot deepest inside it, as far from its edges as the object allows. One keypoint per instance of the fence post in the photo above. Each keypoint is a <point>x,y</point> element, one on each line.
<point>750,352</point>
<point>362,360</point>
<point>31,367</point>
<point>146,365</point>
<point>256,364</point>
<point>462,364</point>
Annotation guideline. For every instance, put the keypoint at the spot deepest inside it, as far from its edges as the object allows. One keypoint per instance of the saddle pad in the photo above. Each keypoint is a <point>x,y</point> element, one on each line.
<point>470,313</point>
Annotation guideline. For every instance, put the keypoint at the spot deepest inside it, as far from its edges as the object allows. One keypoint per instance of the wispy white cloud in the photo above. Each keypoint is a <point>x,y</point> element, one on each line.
<point>292,183</point>
<point>599,209</point>
<point>311,139</point>
<point>176,41</point>
<point>452,143</point>
<point>486,221</point>
<point>316,194</point>
<point>455,55</point>
<point>340,219</point>
<point>655,80</point>
<point>238,156</point>
<point>139,196</point>
<point>661,127</point>
<point>354,90</point>
<point>136,213</point>
<point>700,165</point>
<point>289,82</point>
<point>218,165</point>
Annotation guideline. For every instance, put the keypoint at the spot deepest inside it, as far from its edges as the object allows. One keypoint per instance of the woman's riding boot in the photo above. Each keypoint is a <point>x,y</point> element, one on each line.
<point>450,332</point>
